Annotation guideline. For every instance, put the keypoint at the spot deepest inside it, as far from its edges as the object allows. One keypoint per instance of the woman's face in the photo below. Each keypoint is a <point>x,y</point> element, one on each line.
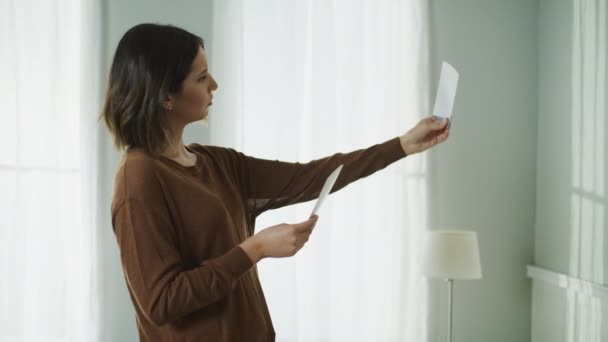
<point>192,103</point>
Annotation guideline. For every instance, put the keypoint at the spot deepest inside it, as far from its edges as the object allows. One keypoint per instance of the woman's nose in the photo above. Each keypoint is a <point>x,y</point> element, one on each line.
<point>214,84</point>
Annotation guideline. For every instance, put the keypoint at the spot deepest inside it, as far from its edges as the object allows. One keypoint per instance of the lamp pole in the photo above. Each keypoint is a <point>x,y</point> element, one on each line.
<point>450,283</point>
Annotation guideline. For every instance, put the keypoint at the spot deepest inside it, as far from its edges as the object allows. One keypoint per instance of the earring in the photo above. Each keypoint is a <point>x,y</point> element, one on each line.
<point>170,107</point>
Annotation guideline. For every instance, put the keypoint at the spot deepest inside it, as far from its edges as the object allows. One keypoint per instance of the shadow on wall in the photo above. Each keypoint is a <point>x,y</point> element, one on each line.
<point>588,196</point>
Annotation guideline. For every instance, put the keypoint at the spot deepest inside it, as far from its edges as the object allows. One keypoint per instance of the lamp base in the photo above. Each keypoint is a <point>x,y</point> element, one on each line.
<point>450,285</point>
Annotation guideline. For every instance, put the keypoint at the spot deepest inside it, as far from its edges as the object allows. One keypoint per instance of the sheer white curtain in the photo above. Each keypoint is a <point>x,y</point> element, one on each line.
<point>48,90</point>
<point>300,80</point>
<point>588,200</point>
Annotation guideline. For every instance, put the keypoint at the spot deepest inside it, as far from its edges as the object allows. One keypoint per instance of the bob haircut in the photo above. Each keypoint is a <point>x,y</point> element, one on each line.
<point>150,62</point>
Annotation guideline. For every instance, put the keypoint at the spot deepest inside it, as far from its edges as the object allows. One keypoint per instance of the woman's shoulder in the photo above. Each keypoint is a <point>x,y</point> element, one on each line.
<point>136,176</point>
<point>137,163</point>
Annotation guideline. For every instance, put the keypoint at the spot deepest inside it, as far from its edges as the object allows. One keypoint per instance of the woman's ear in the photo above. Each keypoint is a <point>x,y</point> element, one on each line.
<point>168,102</point>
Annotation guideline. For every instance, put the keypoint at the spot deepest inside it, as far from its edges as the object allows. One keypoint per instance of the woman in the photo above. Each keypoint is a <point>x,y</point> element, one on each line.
<point>184,216</point>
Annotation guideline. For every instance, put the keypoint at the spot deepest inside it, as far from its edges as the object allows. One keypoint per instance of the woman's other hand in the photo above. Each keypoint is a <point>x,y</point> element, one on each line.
<point>282,240</point>
<point>426,134</point>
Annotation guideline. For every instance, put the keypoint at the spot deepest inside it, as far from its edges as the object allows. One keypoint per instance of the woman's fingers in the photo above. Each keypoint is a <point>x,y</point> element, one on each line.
<point>439,130</point>
<point>306,225</point>
<point>438,124</point>
<point>303,230</point>
<point>444,135</point>
<point>302,239</point>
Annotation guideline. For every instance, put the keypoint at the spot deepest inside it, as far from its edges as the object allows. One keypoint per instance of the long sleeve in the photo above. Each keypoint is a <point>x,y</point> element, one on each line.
<point>162,288</point>
<point>271,184</point>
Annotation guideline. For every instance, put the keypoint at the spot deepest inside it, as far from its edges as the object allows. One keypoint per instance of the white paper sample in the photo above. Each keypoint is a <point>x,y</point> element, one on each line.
<point>446,92</point>
<point>329,183</point>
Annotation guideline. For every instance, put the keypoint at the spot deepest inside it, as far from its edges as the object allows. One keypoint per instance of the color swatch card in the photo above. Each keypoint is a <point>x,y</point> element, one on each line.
<point>329,183</point>
<point>446,92</point>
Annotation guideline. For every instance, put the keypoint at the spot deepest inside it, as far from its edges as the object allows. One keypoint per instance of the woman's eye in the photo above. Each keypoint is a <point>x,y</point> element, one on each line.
<point>202,78</point>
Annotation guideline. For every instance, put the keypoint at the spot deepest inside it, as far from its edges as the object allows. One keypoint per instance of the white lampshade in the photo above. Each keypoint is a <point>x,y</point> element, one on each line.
<point>451,254</point>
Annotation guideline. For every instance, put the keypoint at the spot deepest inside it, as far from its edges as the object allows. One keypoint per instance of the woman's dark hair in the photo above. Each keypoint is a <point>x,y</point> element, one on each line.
<point>150,62</point>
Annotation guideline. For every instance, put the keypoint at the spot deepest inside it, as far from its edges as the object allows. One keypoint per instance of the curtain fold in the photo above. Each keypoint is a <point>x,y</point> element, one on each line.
<point>300,80</point>
<point>49,61</point>
<point>588,124</point>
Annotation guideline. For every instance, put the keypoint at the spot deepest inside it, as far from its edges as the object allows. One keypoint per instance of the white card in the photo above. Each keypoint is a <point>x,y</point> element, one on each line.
<point>446,92</point>
<point>329,183</point>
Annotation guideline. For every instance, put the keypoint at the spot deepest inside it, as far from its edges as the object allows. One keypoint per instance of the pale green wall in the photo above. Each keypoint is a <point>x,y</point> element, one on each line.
<point>552,243</point>
<point>483,179</point>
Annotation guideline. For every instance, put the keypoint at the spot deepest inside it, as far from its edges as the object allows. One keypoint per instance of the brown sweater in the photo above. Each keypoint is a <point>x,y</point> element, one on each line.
<point>179,228</point>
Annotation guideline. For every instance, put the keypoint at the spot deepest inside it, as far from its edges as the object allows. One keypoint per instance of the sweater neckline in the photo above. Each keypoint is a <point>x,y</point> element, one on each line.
<point>181,166</point>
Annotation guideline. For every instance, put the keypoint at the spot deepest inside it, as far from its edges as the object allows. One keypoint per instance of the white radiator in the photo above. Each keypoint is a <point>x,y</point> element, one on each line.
<point>567,309</point>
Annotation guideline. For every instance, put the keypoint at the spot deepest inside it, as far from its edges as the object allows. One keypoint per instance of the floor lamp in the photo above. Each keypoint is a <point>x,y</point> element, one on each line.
<point>449,255</point>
